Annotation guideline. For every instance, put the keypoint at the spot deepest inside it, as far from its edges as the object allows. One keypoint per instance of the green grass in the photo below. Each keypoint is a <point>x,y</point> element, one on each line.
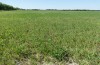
<point>33,36</point>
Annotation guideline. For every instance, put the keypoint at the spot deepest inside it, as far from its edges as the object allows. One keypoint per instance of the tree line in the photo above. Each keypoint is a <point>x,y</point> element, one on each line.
<point>7,7</point>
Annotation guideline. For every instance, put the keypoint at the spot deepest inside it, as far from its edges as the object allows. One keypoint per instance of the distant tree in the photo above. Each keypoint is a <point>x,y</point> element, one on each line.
<point>51,9</point>
<point>7,7</point>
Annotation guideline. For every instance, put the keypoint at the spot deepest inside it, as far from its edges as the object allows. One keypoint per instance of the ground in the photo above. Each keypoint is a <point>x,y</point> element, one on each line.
<point>32,37</point>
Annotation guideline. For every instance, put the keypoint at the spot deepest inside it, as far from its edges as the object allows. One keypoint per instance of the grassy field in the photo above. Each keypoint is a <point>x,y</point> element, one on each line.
<point>34,37</point>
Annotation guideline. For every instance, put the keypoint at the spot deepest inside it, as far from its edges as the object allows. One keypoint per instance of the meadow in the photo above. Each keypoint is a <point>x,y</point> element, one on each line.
<point>34,37</point>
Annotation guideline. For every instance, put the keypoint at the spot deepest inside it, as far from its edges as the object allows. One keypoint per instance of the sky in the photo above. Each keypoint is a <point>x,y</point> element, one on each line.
<point>54,4</point>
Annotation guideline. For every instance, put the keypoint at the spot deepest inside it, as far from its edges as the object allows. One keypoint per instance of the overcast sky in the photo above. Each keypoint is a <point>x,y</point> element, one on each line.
<point>54,4</point>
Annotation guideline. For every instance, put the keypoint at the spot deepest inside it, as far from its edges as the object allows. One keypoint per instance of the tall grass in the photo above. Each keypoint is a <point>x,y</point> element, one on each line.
<point>58,34</point>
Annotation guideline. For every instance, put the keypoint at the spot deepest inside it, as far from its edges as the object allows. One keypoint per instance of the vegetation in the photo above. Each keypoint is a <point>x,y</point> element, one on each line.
<point>31,37</point>
<point>6,7</point>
